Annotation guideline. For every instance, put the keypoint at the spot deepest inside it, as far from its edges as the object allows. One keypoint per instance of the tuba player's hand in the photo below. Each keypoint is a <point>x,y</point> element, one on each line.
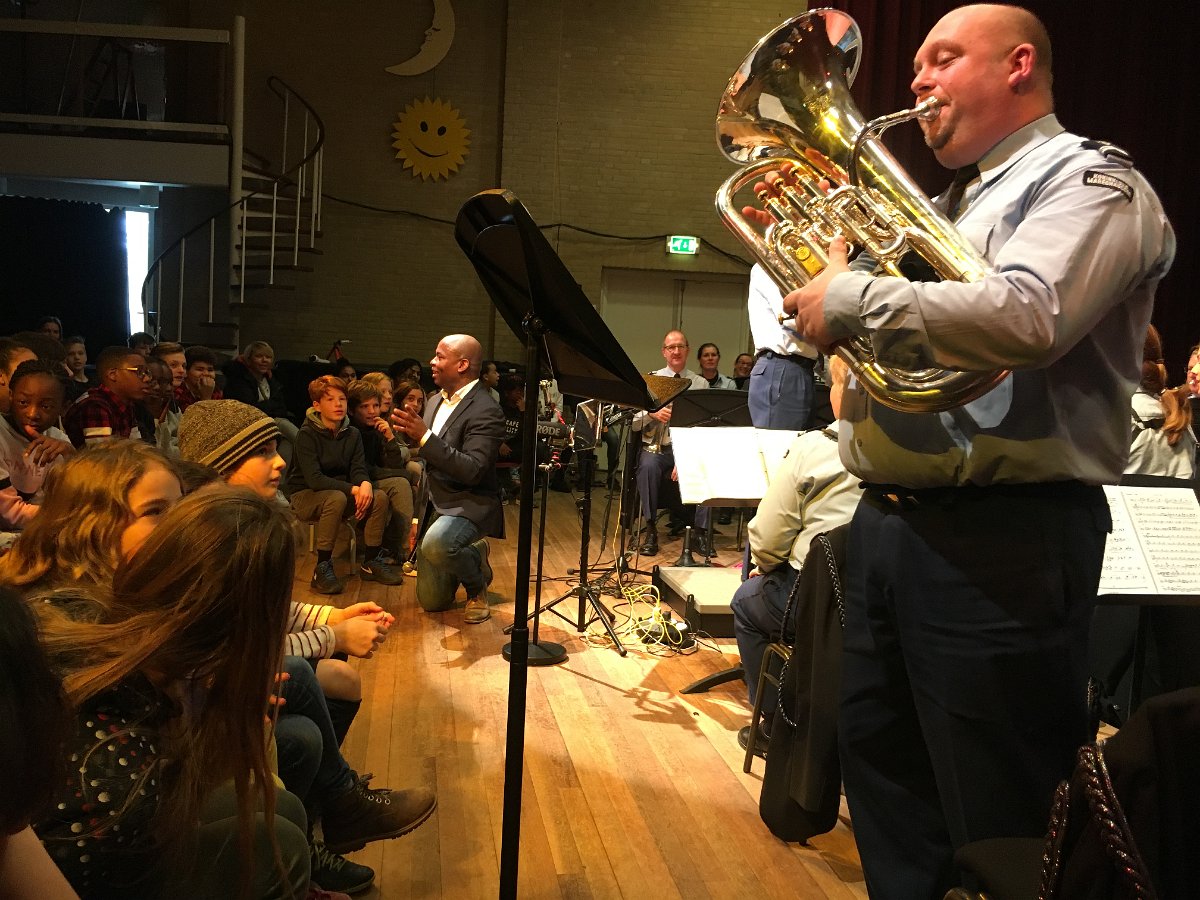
<point>807,304</point>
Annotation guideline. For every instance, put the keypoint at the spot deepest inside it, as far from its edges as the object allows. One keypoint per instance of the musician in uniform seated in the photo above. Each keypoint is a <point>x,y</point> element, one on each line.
<point>810,493</point>
<point>975,554</point>
<point>657,459</point>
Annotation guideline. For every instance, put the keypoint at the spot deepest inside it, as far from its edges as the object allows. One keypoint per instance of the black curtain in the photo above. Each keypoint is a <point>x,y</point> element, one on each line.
<point>1122,73</point>
<point>65,259</point>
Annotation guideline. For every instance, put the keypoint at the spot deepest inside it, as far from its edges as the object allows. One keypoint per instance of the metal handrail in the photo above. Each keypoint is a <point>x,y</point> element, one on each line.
<point>313,154</point>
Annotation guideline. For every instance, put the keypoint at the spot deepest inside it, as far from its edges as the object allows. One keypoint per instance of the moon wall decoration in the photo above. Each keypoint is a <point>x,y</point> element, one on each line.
<point>438,38</point>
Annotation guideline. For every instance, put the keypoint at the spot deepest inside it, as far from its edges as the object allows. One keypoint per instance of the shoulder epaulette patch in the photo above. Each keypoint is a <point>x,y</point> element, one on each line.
<point>1111,152</point>
<point>1104,179</point>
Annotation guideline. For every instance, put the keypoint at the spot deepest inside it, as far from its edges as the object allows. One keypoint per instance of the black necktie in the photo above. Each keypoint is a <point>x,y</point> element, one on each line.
<point>677,375</point>
<point>954,194</point>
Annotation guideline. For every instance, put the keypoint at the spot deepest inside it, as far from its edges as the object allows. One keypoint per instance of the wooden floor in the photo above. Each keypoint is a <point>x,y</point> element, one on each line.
<point>630,790</point>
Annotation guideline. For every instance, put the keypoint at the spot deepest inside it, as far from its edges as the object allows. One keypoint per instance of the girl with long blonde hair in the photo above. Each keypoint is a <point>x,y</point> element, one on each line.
<point>90,502</point>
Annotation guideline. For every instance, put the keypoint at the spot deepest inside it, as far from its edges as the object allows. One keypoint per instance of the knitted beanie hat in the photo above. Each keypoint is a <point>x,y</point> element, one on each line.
<point>222,433</point>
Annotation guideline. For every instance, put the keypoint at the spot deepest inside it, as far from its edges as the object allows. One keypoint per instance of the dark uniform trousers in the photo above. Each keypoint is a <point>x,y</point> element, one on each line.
<point>965,670</point>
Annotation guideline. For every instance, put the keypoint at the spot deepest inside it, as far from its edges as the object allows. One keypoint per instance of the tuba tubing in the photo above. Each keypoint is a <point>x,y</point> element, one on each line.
<point>788,105</point>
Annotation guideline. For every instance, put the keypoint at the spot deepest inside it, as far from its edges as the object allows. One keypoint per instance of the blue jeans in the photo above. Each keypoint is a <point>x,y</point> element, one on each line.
<point>310,764</point>
<point>781,393</point>
<point>758,606</point>
<point>446,560</point>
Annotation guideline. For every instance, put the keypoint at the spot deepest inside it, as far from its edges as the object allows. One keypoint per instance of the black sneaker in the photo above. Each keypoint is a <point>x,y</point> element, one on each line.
<point>325,580</point>
<point>377,570</point>
<point>336,873</point>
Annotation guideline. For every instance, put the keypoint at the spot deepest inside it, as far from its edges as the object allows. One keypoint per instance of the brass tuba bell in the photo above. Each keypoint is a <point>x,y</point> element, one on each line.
<point>789,103</point>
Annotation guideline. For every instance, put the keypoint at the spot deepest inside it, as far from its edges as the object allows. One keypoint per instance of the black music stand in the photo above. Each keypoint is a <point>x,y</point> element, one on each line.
<point>714,407</point>
<point>563,335</point>
<point>711,408</point>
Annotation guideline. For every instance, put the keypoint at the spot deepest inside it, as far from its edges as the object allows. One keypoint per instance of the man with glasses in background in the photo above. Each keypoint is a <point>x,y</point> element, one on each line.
<point>657,459</point>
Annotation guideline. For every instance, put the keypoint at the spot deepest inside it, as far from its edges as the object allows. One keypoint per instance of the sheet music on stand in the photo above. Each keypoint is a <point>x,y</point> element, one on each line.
<point>728,466</point>
<point>1154,547</point>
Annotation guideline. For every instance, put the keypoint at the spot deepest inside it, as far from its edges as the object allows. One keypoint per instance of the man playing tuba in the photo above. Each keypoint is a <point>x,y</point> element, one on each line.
<point>976,551</point>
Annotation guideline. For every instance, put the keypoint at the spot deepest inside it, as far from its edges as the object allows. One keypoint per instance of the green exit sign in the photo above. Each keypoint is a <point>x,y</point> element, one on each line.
<point>683,243</point>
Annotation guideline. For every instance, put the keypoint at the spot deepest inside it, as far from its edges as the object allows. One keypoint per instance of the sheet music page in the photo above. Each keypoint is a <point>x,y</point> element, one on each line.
<point>1154,546</point>
<point>718,463</point>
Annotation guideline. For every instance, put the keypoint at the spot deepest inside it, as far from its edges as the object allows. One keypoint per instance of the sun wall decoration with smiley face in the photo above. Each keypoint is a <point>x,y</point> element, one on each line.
<point>431,138</point>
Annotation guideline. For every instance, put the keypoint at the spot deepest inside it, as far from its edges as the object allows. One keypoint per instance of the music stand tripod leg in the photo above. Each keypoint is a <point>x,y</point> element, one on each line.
<point>587,593</point>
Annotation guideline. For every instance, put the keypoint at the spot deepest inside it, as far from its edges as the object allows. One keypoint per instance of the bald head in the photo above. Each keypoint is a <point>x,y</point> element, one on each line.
<point>457,361</point>
<point>989,65</point>
<point>1009,27</point>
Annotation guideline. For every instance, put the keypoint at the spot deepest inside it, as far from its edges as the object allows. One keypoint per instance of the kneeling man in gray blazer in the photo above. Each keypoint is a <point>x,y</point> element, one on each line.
<point>459,439</point>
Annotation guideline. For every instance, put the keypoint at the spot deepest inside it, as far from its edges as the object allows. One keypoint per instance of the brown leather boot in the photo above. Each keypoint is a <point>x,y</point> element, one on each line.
<point>364,814</point>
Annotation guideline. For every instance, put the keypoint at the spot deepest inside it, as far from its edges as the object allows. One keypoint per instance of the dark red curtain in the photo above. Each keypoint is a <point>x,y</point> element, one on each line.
<point>1122,73</point>
<point>65,259</point>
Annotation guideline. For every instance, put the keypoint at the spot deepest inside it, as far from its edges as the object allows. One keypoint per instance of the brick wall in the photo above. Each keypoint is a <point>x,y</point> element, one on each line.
<point>596,115</point>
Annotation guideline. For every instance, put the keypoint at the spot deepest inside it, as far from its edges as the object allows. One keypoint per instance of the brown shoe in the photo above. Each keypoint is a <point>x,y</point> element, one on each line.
<point>364,814</point>
<point>477,610</point>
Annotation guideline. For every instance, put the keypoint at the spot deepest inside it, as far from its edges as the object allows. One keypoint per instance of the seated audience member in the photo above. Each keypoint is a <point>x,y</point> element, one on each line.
<point>407,369</point>
<point>512,405</point>
<point>1163,442</point>
<point>51,326</point>
<point>459,438</point>
<point>141,342</point>
<point>656,462</point>
<point>158,414</point>
<point>169,790</point>
<point>237,443</point>
<point>12,354</point>
<point>810,493</point>
<point>107,411</point>
<point>30,445</point>
<point>250,378</point>
<point>344,369</point>
<point>709,357</point>
<point>77,359</point>
<point>93,501</point>
<point>35,717</point>
<point>490,376</point>
<point>329,478</point>
<point>741,371</point>
<point>385,386</point>
<point>176,359</point>
<point>387,457</point>
<point>409,395</point>
<point>200,378</point>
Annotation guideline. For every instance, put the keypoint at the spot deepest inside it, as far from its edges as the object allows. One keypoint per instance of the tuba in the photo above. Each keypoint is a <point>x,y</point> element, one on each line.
<point>789,103</point>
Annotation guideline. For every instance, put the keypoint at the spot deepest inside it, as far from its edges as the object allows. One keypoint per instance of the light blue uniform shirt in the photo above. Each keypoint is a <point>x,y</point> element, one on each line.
<point>1077,242</point>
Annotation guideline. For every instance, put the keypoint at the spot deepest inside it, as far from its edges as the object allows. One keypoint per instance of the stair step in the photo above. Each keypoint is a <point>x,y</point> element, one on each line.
<point>263,287</point>
<point>278,267</point>
<point>217,325</point>
<point>258,248</point>
<point>279,233</point>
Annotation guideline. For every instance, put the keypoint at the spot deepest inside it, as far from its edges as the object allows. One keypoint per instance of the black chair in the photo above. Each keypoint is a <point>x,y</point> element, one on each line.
<point>1123,826</point>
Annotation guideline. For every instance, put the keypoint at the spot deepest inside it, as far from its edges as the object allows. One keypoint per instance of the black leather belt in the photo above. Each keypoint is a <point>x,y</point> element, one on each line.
<point>799,360</point>
<point>967,493</point>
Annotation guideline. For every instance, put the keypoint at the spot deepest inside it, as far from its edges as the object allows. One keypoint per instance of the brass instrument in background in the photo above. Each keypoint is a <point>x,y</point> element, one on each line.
<point>789,103</point>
